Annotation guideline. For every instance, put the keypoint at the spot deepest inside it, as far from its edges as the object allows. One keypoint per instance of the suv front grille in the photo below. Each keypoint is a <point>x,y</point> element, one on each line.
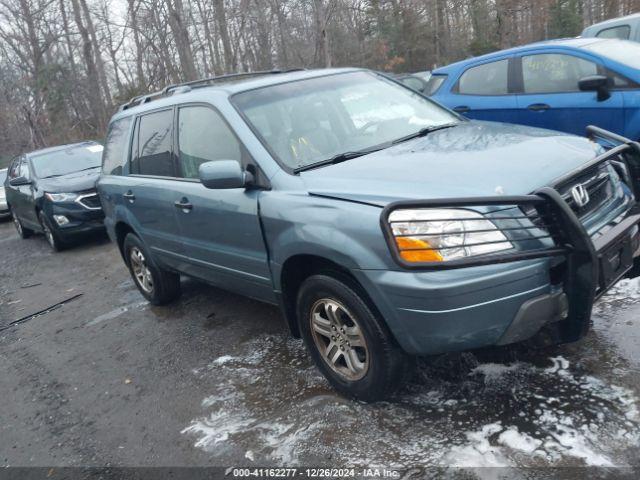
<point>597,183</point>
<point>90,200</point>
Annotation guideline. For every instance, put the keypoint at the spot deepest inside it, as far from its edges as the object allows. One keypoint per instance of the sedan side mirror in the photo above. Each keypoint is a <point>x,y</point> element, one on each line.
<point>223,174</point>
<point>596,83</point>
<point>19,181</point>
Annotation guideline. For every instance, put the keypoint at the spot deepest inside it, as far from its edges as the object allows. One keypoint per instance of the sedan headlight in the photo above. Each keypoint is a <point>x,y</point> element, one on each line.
<point>444,234</point>
<point>61,197</point>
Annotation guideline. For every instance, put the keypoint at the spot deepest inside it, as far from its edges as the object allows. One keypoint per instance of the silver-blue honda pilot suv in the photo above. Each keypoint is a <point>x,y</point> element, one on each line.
<point>384,225</point>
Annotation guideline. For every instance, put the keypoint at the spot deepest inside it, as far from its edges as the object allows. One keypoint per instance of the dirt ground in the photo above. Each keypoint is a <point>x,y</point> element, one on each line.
<point>214,379</point>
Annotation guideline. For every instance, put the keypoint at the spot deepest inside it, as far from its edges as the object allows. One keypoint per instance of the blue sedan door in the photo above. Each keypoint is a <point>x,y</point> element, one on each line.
<point>483,92</point>
<point>550,97</point>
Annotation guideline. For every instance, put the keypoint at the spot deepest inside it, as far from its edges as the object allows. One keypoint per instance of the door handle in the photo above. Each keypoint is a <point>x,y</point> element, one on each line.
<point>461,109</point>
<point>129,196</point>
<point>538,107</point>
<point>183,204</point>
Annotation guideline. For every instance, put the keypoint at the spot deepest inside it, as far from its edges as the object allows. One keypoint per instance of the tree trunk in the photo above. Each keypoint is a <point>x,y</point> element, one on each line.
<point>181,37</point>
<point>99,62</point>
<point>133,17</point>
<point>220,14</point>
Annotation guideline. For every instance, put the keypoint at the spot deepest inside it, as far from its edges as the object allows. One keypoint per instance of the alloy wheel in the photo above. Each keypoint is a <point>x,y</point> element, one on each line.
<point>18,225</point>
<point>141,271</point>
<point>48,234</point>
<point>339,339</point>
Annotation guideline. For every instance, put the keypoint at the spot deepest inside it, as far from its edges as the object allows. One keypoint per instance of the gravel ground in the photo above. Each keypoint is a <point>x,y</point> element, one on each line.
<point>214,379</point>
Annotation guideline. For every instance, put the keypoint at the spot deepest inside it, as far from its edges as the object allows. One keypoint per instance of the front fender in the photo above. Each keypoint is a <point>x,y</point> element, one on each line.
<point>346,233</point>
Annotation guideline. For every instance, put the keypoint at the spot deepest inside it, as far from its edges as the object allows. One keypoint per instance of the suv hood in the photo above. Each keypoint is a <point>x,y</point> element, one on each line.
<point>71,182</point>
<point>469,160</point>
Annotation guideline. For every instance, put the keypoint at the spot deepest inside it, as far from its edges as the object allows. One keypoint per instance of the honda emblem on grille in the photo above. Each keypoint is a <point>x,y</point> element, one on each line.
<point>580,195</point>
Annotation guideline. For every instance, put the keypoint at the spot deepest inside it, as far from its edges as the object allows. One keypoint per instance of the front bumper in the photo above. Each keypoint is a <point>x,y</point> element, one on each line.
<point>505,298</point>
<point>81,221</point>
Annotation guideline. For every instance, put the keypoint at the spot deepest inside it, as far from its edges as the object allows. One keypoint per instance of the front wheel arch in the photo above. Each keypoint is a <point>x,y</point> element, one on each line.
<point>298,268</point>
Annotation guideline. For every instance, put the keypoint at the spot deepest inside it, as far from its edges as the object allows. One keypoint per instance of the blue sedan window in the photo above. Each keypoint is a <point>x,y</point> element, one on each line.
<point>486,79</point>
<point>554,73</point>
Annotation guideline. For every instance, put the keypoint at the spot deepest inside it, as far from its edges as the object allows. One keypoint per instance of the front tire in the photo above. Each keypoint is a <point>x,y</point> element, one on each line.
<point>52,237</point>
<point>22,231</point>
<point>158,286</point>
<point>348,341</point>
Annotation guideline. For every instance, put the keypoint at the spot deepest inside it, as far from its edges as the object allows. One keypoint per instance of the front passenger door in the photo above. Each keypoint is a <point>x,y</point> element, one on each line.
<point>551,98</point>
<point>221,230</point>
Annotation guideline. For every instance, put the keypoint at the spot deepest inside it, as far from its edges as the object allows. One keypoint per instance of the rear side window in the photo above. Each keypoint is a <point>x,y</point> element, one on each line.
<point>413,83</point>
<point>621,31</point>
<point>153,153</point>
<point>203,136</point>
<point>554,73</point>
<point>487,79</point>
<point>115,148</point>
<point>434,83</point>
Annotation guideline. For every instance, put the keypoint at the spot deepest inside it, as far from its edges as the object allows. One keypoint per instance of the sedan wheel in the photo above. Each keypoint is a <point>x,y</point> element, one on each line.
<point>141,271</point>
<point>22,232</point>
<point>339,339</point>
<point>49,235</point>
<point>18,225</point>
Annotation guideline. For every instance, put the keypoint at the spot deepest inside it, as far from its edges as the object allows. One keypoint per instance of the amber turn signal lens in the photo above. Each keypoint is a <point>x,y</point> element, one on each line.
<point>409,250</point>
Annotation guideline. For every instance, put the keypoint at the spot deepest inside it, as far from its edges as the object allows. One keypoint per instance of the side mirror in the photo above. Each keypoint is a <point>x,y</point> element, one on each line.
<point>222,174</point>
<point>596,83</point>
<point>19,181</point>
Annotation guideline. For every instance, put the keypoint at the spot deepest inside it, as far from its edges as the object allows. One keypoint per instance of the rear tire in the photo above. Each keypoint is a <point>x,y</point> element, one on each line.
<point>348,341</point>
<point>52,237</point>
<point>158,286</point>
<point>22,231</point>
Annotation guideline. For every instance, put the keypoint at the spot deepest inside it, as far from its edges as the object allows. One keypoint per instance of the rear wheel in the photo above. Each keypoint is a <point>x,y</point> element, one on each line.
<point>348,341</point>
<point>155,284</point>
<point>52,237</point>
<point>22,231</point>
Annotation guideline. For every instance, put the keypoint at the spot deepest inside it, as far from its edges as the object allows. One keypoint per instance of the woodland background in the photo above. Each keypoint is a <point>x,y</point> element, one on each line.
<point>66,65</point>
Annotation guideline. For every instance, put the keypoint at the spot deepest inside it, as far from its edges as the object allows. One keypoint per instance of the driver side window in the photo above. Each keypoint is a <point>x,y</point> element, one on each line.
<point>554,73</point>
<point>203,136</point>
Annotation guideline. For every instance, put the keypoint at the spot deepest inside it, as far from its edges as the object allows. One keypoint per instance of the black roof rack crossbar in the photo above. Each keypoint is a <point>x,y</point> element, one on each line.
<point>203,82</point>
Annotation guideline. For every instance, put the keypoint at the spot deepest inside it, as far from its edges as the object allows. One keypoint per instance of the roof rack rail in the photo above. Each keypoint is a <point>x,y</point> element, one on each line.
<point>187,86</point>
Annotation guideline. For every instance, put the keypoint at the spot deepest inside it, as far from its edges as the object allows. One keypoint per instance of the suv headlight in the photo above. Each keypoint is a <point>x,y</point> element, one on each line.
<point>444,234</point>
<point>61,197</point>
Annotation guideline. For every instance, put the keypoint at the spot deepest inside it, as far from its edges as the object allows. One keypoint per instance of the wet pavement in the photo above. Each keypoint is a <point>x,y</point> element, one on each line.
<point>214,379</point>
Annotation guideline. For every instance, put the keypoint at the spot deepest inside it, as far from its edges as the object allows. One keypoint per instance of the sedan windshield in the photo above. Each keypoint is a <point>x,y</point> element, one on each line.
<point>69,160</point>
<point>310,121</point>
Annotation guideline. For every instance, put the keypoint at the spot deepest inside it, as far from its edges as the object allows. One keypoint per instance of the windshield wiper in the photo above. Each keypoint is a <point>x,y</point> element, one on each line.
<point>341,157</point>
<point>76,171</point>
<point>423,132</point>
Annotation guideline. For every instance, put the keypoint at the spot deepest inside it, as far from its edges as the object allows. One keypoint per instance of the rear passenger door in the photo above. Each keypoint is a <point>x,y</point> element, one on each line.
<point>221,230</point>
<point>483,92</point>
<point>149,190</point>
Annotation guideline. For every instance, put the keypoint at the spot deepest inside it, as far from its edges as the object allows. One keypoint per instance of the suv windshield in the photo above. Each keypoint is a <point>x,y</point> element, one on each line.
<point>69,160</point>
<point>310,121</point>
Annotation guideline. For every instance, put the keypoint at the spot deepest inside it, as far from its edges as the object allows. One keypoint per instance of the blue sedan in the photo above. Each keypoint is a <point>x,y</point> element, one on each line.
<point>561,85</point>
